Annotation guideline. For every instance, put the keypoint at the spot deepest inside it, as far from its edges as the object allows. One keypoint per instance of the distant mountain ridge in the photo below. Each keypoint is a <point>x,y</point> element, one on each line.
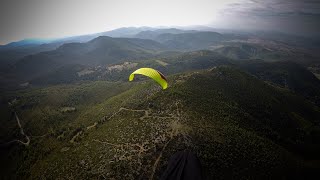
<point>13,51</point>
<point>99,51</point>
<point>184,39</point>
<point>26,42</point>
<point>152,34</point>
<point>28,61</point>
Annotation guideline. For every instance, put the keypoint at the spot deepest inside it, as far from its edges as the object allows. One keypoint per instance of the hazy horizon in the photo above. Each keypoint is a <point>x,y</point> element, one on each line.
<point>55,19</point>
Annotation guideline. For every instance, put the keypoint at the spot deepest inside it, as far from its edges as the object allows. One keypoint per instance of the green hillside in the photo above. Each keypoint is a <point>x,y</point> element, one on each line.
<point>234,52</point>
<point>239,126</point>
<point>287,75</point>
<point>270,51</point>
<point>175,62</point>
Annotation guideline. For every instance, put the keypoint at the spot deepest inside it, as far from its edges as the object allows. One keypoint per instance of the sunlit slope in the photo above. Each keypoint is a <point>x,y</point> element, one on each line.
<point>239,126</point>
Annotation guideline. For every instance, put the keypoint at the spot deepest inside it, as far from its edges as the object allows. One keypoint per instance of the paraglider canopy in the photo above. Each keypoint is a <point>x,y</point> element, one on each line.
<point>152,73</point>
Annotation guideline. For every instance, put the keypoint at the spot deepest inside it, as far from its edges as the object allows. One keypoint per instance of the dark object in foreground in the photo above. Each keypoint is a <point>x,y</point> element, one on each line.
<point>183,165</point>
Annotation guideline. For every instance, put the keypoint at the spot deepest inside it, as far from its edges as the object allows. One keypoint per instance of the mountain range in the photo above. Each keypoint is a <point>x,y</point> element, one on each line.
<point>247,104</point>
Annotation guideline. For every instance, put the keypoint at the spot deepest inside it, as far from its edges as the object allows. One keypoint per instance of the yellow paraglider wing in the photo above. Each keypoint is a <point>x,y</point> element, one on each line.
<point>152,73</point>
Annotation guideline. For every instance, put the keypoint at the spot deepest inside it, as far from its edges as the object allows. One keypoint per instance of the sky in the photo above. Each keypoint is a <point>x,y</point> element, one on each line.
<point>20,19</point>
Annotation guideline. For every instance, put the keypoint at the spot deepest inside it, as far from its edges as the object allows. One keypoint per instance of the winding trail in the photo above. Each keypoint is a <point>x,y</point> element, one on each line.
<point>103,142</point>
<point>175,130</point>
<point>155,165</point>
<point>21,132</point>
